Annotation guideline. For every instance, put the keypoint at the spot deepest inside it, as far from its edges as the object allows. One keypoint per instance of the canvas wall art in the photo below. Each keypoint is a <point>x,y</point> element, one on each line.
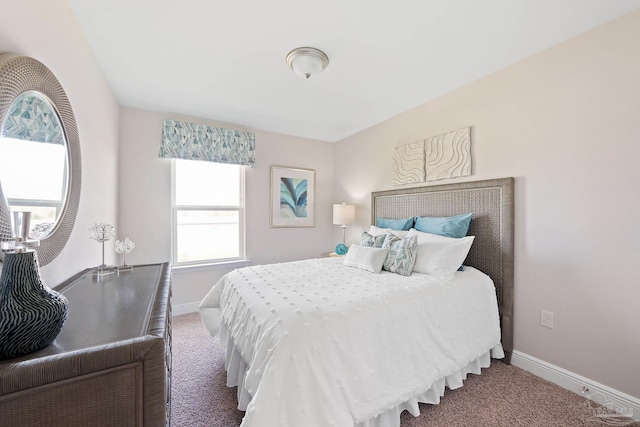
<point>292,197</point>
<point>408,164</point>
<point>438,157</point>
<point>448,155</point>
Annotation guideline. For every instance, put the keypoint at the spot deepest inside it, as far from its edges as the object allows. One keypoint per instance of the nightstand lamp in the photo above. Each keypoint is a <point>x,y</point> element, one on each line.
<point>343,215</point>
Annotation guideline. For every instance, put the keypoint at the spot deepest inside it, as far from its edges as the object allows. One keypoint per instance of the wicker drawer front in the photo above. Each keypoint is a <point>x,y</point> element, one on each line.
<point>109,398</point>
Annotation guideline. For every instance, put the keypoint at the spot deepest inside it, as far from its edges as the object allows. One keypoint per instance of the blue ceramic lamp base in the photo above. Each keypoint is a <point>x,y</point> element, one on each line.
<point>341,249</point>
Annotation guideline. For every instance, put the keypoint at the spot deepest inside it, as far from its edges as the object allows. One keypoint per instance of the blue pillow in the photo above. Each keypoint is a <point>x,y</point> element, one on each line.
<point>395,224</point>
<point>449,226</point>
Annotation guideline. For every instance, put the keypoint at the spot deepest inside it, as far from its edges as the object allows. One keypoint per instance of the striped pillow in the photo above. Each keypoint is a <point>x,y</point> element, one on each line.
<point>369,241</point>
<point>402,254</point>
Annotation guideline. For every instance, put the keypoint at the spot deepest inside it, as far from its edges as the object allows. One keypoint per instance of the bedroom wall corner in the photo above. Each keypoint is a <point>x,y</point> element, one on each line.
<point>145,201</point>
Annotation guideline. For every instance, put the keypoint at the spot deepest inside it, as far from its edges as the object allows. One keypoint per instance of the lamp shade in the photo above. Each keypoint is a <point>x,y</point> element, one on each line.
<point>344,214</point>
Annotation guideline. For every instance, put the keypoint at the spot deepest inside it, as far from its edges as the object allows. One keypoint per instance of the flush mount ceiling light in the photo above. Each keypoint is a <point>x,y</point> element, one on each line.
<point>307,61</point>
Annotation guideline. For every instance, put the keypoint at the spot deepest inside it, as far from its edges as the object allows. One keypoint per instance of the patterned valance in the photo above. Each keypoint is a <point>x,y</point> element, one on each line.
<point>30,118</point>
<point>190,141</point>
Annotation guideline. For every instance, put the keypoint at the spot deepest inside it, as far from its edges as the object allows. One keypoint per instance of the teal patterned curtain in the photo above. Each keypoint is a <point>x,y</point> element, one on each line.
<point>190,141</point>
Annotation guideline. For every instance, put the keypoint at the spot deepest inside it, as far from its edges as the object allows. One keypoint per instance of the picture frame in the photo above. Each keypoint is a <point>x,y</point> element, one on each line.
<point>292,197</point>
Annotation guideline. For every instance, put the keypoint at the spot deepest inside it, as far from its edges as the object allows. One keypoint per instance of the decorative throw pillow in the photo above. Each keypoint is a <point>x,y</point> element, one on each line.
<point>449,226</point>
<point>369,259</point>
<point>440,256</point>
<point>402,254</point>
<point>376,231</point>
<point>369,241</point>
<point>395,224</point>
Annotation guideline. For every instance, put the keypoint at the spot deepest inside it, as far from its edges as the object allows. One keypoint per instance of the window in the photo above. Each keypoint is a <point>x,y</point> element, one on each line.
<point>42,194</point>
<point>208,212</point>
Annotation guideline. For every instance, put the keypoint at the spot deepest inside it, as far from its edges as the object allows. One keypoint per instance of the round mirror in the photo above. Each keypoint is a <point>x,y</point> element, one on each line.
<point>39,153</point>
<point>33,161</point>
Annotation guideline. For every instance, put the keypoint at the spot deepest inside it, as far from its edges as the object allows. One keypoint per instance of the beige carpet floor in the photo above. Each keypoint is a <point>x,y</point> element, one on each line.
<point>503,396</point>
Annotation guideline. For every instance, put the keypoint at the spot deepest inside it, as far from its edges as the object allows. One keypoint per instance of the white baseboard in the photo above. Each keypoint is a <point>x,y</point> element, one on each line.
<point>178,309</point>
<point>600,393</point>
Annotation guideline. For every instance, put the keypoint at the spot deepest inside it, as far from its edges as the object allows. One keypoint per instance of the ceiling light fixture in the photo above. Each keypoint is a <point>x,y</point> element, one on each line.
<point>307,61</point>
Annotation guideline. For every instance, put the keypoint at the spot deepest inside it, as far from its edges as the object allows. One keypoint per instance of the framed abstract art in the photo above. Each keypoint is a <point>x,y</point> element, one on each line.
<point>292,197</point>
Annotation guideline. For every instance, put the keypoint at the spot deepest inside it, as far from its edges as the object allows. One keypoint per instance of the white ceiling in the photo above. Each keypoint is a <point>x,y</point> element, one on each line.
<point>224,60</point>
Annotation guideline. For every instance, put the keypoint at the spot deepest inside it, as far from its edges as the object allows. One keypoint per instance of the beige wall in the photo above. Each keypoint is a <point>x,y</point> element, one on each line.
<point>48,32</point>
<point>145,200</point>
<point>566,124</point>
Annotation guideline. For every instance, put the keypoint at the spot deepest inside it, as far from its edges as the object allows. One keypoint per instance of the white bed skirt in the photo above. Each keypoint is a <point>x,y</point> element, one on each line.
<point>236,369</point>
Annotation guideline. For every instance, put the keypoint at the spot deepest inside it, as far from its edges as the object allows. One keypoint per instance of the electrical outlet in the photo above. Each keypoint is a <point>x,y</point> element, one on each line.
<point>546,319</point>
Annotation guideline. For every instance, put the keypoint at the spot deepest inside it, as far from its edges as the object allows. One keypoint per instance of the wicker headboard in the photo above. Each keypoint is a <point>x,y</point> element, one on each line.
<point>491,203</point>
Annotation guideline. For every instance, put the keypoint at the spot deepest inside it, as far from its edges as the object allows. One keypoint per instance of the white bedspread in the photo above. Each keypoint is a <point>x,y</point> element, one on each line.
<point>330,345</point>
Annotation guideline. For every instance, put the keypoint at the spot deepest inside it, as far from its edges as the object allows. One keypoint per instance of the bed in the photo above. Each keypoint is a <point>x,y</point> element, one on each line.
<point>318,343</point>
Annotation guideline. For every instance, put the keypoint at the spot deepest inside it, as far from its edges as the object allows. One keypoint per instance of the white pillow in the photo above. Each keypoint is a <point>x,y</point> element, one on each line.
<point>440,256</point>
<point>377,231</point>
<point>370,259</point>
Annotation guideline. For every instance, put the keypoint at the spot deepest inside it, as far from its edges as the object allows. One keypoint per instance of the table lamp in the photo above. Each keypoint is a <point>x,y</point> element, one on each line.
<point>343,215</point>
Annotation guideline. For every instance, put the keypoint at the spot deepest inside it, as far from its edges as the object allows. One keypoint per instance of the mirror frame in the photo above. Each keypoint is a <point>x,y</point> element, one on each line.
<point>19,74</point>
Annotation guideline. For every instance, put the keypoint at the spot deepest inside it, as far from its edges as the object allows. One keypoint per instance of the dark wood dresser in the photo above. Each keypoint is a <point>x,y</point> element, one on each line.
<point>111,363</point>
